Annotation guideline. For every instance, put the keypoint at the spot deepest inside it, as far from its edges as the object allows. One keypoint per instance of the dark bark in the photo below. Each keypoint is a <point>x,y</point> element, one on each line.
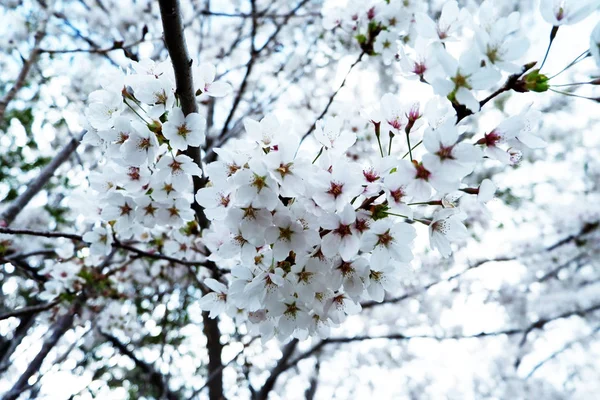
<point>215,364</point>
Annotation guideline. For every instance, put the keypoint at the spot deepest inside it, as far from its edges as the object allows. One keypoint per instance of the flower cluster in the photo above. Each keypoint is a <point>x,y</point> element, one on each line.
<point>309,235</point>
<point>145,179</point>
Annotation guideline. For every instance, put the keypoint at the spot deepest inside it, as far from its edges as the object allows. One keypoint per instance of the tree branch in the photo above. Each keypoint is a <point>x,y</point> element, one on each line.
<point>29,310</point>
<point>11,212</point>
<point>59,328</point>
<point>280,367</point>
<point>170,14</point>
<point>156,378</point>
<point>116,244</point>
<point>332,97</point>
<point>215,349</point>
<point>27,65</point>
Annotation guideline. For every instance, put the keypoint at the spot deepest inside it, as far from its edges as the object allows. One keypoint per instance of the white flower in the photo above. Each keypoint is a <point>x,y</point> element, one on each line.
<point>385,44</point>
<point>177,170</point>
<point>135,179</point>
<point>175,213</point>
<point>343,239</point>
<point>446,227</point>
<point>465,75</point>
<point>180,246</point>
<point>265,132</point>
<point>204,76</point>
<point>217,201</point>
<point>351,274</point>
<point>513,131</point>
<point>287,235</point>
<point>449,24</point>
<point>395,188</point>
<point>387,240</point>
<point>394,114</point>
<point>422,177</point>
<point>141,144</point>
<point>330,134</point>
<point>104,107</point>
<point>501,46</point>
<point>286,169</point>
<point>100,241</point>
<point>147,210</point>
<point>52,289</point>
<point>422,63</point>
<point>183,131</point>
<point>445,153</point>
<point>214,302</point>
<point>158,92</point>
<point>567,12</point>
<point>119,208</point>
<point>333,191</point>
<point>256,186</point>
<point>163,189</point>
<point>383,278</point>
<point>340,305</point>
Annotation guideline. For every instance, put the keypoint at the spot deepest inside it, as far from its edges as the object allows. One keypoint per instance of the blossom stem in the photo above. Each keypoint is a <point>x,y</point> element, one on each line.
<point>379,142</point>
<point>596,99</point>
<point>411,149</point>
<point>390,145</point>
<point>318,155</point>
<point>552,36</point>
<point>396,215</point>
<point>577,59</point>
<point>135,112</point>
<point>575,84</point>
<point>428,203</point>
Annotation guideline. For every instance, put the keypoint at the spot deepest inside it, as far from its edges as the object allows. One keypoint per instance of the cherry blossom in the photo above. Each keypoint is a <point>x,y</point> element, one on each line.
<point>567,12</point>
<point>183,131</point>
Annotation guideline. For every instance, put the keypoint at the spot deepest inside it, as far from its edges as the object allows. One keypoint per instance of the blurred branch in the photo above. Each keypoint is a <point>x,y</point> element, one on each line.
<point>216,373</point>
<point>280,367</point>
<point>538,324</point>
<point>116,244</point>
<point>59,328</point>
<point>215,363</point>
<point>117,45</point>
<point>564,348</point>
<point>29,310</point>
<point>27,65</point>
<point>332,97</point>
<point>11,212</point>
<point>254,55</point>
<point>156,378</point>
<point>311,391</point>
<point>257,15</point>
